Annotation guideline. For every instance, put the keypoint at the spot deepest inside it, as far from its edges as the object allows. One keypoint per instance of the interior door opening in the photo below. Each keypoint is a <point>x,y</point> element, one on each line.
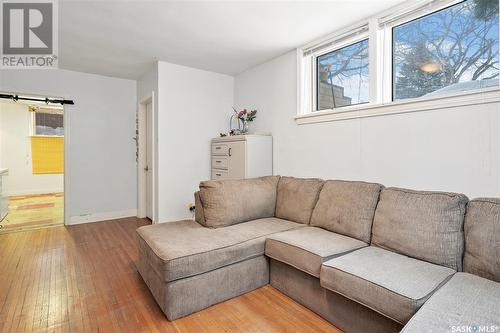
<point>145,159</point>
<point>32,141</point>
<point>149,160</point>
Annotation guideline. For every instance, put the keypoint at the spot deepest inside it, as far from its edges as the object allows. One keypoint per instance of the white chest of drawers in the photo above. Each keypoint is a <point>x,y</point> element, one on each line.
<point>242,156</point>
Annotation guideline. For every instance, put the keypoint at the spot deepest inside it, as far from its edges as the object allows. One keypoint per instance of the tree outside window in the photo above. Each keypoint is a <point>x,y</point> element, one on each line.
<point>452,50</point>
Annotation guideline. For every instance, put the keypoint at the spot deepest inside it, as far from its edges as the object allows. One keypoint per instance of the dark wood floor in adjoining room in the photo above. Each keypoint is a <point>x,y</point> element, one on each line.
<point>83,279</point>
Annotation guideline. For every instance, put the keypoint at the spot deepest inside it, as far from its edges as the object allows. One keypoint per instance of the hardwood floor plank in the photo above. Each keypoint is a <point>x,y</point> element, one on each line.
<point>34,211</point>
<point>83,279</point>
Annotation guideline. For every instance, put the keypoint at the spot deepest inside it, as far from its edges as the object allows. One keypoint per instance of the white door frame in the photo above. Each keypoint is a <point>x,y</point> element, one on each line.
<point>141,161</point>
<point>68,110</point>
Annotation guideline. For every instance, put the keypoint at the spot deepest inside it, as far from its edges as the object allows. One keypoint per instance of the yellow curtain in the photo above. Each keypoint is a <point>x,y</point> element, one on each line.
<point>47,154</point>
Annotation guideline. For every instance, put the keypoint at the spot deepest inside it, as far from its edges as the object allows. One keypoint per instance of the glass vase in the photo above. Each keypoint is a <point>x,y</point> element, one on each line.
<point>245,128</point>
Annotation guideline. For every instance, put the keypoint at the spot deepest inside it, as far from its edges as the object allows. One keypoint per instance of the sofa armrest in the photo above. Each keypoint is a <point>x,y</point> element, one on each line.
<point>199,215</point>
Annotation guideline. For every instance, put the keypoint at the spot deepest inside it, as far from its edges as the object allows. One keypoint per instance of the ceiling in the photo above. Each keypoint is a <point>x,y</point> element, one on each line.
<point>124,38</point>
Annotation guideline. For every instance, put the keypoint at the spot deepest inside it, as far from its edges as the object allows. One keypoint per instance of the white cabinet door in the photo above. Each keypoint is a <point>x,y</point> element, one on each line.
<point>236,160</point>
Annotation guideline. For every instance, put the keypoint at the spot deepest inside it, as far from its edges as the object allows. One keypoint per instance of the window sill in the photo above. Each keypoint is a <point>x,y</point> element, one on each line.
<point>483,96</point>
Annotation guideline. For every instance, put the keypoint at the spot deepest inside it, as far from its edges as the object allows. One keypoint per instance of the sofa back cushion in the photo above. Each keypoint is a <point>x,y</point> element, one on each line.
<point>423,225</point>
<point>297,197</point>
<point>227,202</point>
<point>347,208</point>
<point>482,238</point>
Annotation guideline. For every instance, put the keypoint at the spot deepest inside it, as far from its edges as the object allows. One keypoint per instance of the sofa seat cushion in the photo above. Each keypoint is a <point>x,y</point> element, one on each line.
<point>181,249</point>
<point>307,248</point>
<point>467,302</point>
<point>389,283</point>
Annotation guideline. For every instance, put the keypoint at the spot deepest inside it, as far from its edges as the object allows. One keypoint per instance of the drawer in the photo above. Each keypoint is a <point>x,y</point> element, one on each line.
<point>219,149</point>
<point>219,174</point>
<point>219,162</point>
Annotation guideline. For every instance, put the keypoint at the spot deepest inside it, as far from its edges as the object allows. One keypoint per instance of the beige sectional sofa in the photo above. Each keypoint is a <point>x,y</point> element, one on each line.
<point>364,257</point>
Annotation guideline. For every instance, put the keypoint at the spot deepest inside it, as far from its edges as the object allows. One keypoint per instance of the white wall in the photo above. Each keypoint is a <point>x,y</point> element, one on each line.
<point>147,83</point>
<point>193,107</point>
<point>101,150</point>
<point>450,149</point>
<point>16,154</point>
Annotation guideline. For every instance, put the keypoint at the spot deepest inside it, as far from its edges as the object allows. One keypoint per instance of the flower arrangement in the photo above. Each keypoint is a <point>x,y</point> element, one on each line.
<point>244,117</point>
<point>247,116</point>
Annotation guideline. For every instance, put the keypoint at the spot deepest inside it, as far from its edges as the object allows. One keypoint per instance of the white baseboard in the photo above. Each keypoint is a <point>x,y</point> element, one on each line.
<point>174,219</point>
<point>104,216</point>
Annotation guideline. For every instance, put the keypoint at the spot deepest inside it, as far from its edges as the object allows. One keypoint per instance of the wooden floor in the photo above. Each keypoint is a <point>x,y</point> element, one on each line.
<point>33,211</point>
<point>83,279</point>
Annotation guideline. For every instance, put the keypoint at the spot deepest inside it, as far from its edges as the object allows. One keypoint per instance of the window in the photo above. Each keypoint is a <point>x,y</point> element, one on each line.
<point>444,52</point>
<point>451,50</point>
<point>47,141</point>
<point>342,77</point>
<point>48,122</point>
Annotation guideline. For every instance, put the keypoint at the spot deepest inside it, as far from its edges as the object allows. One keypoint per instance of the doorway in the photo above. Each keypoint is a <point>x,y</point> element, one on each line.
<point>32,145</point>
<point>146,159</point>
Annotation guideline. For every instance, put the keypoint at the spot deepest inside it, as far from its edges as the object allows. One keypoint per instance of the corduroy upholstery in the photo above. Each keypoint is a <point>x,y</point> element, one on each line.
<point>482,238</point>
<point>307,248</point>
<point>389,283</point>
<point>296,198</point>
<point>466,302</point>
<point>421,224</point>
<point>312,229</point>
<point>344,313</point>
<point>347,208</point>
<point>177,250</point>
<point>185,296</point>
<point>227,202</point>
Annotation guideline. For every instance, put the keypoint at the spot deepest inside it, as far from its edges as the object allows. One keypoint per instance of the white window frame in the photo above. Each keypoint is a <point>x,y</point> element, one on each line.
<point>335,47</point>
<point>379,35</point>
<point>307,66</point>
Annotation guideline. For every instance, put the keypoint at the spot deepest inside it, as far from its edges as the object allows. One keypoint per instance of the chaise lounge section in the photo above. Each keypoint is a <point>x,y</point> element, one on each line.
<point>364,257</point>
<point>189,266</point>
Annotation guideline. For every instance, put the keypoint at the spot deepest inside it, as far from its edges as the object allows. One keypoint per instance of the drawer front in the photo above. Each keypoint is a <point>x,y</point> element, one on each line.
<point>219,162</point>
<point>219,174</point>
<point>219,149</point>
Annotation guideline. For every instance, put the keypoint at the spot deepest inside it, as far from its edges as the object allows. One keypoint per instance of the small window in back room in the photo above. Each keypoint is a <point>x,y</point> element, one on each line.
<point>47,142</point>
<point>448,51</point>
<point>49,122</point>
